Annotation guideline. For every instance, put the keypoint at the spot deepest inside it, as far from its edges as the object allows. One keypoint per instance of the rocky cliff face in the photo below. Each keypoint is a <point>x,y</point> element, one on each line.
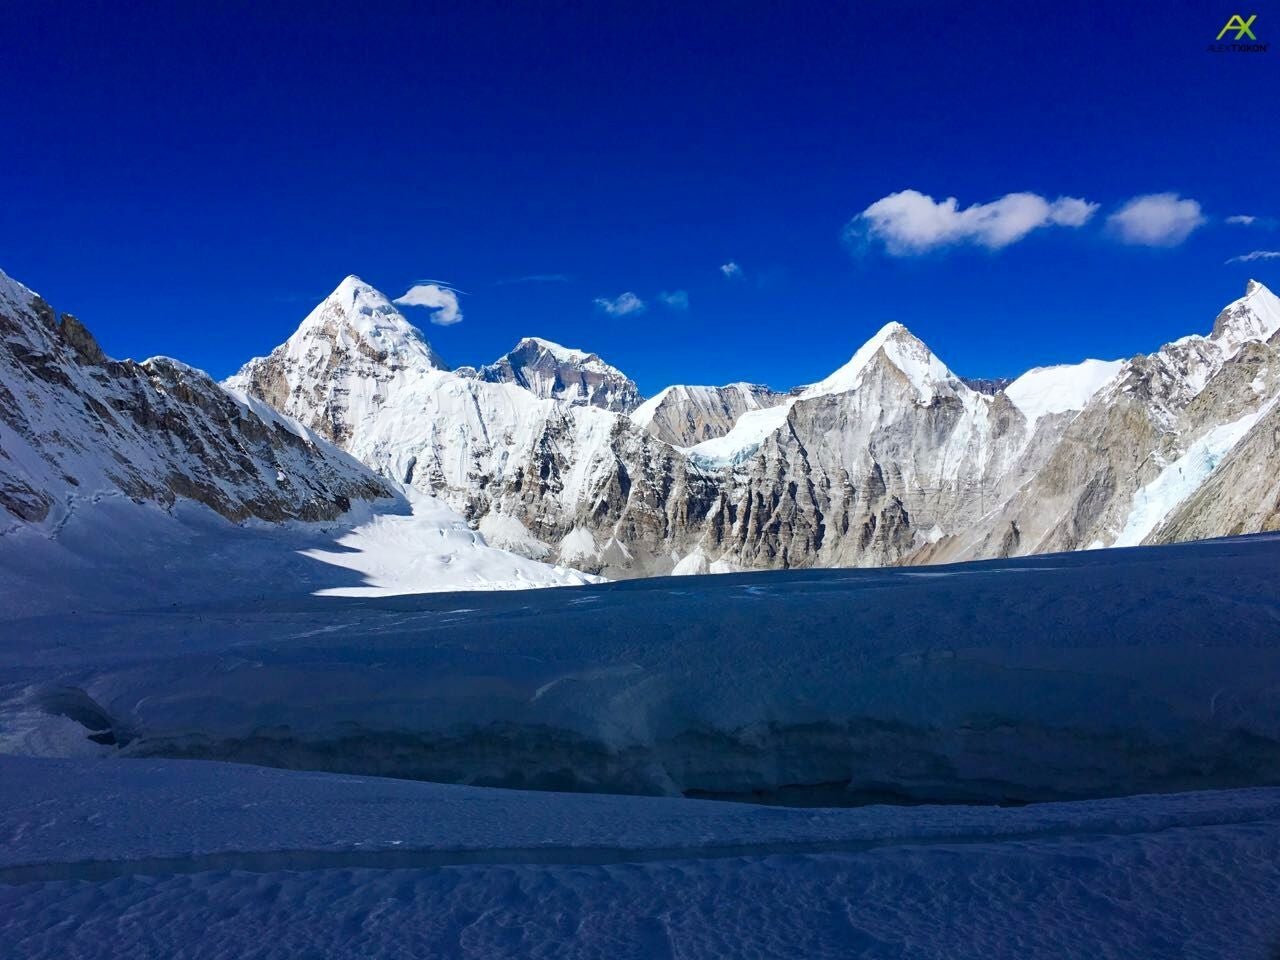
<point>551,371</point>
<point>891,458</point>
<point>1146,442</point>
<point>685,415</point>
<point>77,426</point>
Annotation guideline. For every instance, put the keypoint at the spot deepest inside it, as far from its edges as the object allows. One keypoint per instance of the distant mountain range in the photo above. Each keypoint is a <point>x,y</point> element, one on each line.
<point>552,453</point>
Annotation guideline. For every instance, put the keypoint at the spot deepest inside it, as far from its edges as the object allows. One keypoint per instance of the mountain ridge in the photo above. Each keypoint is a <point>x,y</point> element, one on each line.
<point>891,458</point>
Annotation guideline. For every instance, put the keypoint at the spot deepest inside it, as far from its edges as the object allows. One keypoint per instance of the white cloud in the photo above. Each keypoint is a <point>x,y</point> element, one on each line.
<point>1156,220</point>
<point>1256,255</point>
<point>621,305</point>
<point>1242,219</point>
<point>676,299</point>
<point>911,222</point>
<point>731,269</point>
<point>441,301</point>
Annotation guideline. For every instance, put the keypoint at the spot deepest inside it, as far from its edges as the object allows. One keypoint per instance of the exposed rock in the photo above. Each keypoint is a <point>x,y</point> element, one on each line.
<point>549,370</point>
<point>76,425</point>
<point>1118,469</point>
<point>988,385</point>
<point>684,416</point>
<point>892,458</point>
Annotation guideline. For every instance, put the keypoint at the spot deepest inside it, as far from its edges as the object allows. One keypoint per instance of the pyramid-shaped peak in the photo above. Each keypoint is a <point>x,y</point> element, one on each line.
<point>1255,316</point>
<point>358,316</point>
<point>354,294</point>
<point>900,347</point>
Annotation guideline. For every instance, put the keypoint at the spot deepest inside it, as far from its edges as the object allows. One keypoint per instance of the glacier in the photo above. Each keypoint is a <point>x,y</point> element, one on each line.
<point>1047,678</point>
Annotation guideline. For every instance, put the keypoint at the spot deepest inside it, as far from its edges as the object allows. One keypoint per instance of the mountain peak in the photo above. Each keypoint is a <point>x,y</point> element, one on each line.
<point>904,350</point>
<point>358,313</point>
<point>1255,316</point>
<point>559,351</point>
<point>354,294</point>
<point>548,369</point>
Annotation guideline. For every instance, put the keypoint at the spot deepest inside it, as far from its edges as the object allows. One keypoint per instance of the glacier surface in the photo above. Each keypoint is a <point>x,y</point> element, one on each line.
<point>193,859</point>
<point>1054,677</point>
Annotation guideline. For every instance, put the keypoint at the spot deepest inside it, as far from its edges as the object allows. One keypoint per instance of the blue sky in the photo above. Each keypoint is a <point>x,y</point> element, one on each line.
<point>190,183</point>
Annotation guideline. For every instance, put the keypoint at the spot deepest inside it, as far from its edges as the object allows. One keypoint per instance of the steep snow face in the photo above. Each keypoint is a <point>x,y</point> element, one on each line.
<point>77,427</point>
<point>549,370</point>
<point>743,439</point>
<point>1060,389</point>
<point>687,415</point>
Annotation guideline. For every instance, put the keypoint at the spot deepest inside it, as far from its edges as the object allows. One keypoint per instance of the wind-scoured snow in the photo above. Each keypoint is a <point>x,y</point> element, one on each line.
<point>216,860</point>
<point>115,554</point>
<point>1059,389</point>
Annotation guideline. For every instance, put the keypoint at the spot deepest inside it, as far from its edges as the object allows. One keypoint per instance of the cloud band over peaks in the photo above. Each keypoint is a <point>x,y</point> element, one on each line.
<point>910,222</point>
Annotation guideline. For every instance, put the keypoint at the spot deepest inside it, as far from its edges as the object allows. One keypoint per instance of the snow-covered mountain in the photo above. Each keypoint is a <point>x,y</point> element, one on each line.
<point>1148,439</point>
<point>549,370</point>
<point>892,456</point>
<point>141,482</point>
<point>687,415</point>
<point>77,427</point>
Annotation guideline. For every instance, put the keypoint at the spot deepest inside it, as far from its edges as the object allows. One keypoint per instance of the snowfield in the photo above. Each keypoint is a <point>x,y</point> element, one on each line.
<point>1071,755</point>
<point>1106,683</point>
<point>1047,678</point>
<point>188,554</point>
<point>171,858</point>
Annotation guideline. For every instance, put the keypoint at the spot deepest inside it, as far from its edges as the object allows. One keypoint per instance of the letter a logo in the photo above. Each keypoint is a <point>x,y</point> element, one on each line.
<point>1240,25</point>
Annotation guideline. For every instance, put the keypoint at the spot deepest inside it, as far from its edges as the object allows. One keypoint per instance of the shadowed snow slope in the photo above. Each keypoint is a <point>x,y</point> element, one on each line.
<point>167,858</point>
<point>1076,675</point>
